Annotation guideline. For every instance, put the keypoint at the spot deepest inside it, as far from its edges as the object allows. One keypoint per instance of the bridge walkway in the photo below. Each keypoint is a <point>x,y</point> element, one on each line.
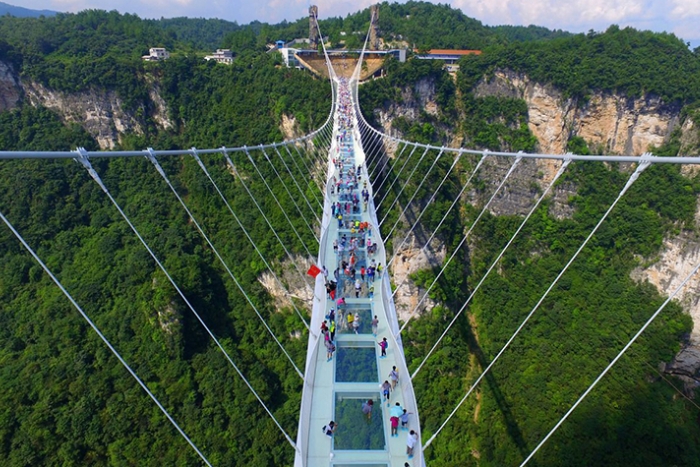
<point>338,389</point>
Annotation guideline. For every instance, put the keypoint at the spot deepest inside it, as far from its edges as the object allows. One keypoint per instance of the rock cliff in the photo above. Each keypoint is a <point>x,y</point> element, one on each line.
<point>10,91</point>
<point>99,111</point>
<point>610,123</point>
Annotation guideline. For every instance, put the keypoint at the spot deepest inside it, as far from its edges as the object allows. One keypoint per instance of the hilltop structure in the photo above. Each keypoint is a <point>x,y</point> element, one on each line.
<point>224,56</point>
<point>155,54</point>
<point>450,57</point>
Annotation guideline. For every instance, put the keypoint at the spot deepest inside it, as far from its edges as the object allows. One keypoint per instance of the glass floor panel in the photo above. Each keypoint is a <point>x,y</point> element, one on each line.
<point>356,364</point>
<point>355,431</point>
<point>365,314</point>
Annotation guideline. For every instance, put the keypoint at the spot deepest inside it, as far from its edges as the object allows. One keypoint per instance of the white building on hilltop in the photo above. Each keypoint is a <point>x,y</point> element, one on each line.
<point>156,53</point>
<point>221,56</point>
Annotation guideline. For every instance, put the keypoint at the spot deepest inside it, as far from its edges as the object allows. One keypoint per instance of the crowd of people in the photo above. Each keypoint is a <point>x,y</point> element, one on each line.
<point>356,269</point>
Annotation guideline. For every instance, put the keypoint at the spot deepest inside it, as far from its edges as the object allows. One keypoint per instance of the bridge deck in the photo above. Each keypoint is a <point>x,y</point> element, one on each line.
<point>336,389</point>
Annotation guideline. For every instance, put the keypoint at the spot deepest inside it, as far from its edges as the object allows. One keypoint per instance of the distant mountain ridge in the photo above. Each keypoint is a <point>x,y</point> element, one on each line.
<point>20,12</point>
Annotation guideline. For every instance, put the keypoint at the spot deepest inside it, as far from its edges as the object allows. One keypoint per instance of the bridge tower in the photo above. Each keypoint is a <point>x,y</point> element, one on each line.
<point>313,27</point>
<point>374,27</point>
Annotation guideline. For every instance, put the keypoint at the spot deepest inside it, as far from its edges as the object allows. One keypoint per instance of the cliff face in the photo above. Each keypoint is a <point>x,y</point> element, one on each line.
<point>99,111</point>
<point>610,123</point>
<point>10,91</point>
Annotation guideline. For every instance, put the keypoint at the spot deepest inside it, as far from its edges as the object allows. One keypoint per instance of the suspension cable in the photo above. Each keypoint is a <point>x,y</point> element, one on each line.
<point>262,213</point>
<point>312,173</point>
<point>104,339</point>
<point>250,239</point>
<point>444,217</point>
<point>396,178</point>
<point>464,238</point>
<point>405,184</point>
<point>301,192</point>
<point>425,208</point>
<point>640,168</point>
<point>286,189</point>
<point>386,161</point>
<point>308,181</point>
<point>284,212</point>
<point>160,170</point>
<point>83,159</point>
<point>420,185</point>
<point>612,363</point>
<point>493,265</point>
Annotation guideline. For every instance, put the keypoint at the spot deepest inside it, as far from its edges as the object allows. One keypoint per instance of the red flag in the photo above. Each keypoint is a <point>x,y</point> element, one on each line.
<point>313,271</point>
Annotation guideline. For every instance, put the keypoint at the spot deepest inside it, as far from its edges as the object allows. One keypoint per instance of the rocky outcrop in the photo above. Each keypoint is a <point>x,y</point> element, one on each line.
<point>611,123</point>
<point>293,285</point>
<point>414,101</point>
<point>290,127</point>
<point>10,91</point>
<point>676,260</point>
<point>99,111</point>
<point>160,108</point>
<point>413,257</point>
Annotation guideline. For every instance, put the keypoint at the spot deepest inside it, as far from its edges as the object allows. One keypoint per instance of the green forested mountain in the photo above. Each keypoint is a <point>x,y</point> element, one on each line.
<point>636,416</point>
<point>632,62</point>
<point>66,400</point>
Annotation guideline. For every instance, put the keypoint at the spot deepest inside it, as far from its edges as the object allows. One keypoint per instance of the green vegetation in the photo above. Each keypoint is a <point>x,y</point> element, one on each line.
<point>66,400</point>
<point>594,309</point>
<point>583,323</point>
<point>356,364</point>
<point>61,387</point>
<point>636,63</point>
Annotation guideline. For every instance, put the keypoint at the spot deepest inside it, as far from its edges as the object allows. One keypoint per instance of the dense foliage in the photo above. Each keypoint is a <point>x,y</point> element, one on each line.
<point>66,400</point>
<point>595,307</point>
<point>585,320</point>
<point>636,63</point>
<point>419,24</point>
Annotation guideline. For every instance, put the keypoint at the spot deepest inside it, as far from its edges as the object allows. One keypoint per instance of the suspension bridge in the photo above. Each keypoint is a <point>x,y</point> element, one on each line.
<point>354,341</point>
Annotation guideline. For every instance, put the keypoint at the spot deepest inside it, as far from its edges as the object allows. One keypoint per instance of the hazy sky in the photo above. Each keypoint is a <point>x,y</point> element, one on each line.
<point>681,17</point>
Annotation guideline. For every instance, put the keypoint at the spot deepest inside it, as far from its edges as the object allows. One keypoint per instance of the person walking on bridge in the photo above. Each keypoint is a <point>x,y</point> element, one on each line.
<point>393,377</point>
<point>411,441</point>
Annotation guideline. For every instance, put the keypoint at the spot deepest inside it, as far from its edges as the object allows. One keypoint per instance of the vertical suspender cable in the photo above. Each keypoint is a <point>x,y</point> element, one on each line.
<point>640,168</point>
<point>252,242</point>
<point>454,202</point>
<point>83,159</point>
<point>301,192</point>
<point>307,182</point>
<point>612,363</point>
<point>425,208</point>
<point>151,157</point>
<point>464,239</point>
<point>104,339</point>
<point>493,265</point>
<point>294,202</point>
<point>420,185</point>
<point>262,213</point>
<point>284,212</point>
